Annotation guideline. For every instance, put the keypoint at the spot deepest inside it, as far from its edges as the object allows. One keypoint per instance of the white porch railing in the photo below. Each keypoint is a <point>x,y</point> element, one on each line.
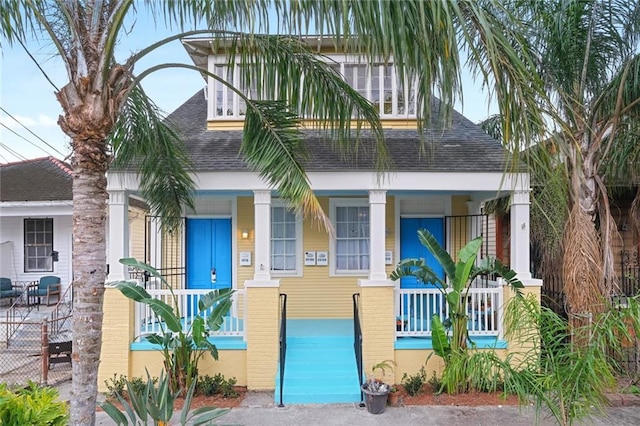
<point>187,300</point>
<point>416,307</point>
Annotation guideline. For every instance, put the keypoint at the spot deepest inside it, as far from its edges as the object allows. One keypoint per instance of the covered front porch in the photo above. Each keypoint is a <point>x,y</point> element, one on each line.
<point>413,312</point>
<point>262,252</point>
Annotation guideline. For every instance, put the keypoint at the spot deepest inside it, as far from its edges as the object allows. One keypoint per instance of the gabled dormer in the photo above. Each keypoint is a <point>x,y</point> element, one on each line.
<point>378,82</point>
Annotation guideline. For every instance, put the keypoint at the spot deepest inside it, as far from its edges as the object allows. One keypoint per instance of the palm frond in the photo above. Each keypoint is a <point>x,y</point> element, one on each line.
<point>286,69</point>
<point>426,41</point>
<point>273,144</point>
<point>246,15</point>
<point>144,141</point>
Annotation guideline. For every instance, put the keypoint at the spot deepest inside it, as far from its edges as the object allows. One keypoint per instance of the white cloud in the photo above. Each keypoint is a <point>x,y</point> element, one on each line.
<point>43,120</point>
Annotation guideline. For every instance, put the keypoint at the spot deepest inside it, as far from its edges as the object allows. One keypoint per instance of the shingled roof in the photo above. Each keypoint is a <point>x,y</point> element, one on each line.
<point>463,147</point>
<point>42,179</point>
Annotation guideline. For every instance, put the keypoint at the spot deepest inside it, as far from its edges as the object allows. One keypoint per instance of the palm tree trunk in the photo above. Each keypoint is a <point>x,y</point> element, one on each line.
<point>89,272</point>
<point>583,261</point>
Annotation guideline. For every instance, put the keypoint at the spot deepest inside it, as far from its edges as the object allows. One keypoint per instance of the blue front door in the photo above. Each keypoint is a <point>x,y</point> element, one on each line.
<point>410,246</point>
<point>420,308</point>
<point>208,253</point>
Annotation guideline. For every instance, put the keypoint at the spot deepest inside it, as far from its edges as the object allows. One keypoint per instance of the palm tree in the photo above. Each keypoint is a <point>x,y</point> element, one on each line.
<point>587,56</point>
<point>106,114</point>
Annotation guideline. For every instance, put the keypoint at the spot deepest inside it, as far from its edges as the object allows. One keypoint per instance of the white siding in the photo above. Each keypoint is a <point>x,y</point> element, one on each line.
<point>12,249</point>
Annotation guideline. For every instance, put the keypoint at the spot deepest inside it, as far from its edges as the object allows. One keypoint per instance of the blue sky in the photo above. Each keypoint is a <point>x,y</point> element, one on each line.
<point>27,96</point>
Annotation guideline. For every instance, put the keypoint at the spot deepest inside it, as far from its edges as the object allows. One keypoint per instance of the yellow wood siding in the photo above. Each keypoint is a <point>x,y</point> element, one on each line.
<point>491,236</point>
<point>387,123</point>
<point>136,232</point>
<point>245,221</point>
<point>172,256</point>
<point>315,294</point>
<point>461,237</point>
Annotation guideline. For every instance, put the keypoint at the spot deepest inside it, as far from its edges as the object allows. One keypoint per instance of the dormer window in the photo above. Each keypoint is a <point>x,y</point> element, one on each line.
<point>378,83</point>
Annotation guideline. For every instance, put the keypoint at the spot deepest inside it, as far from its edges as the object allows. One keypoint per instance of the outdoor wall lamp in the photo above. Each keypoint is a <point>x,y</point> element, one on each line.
<point>244,234</point>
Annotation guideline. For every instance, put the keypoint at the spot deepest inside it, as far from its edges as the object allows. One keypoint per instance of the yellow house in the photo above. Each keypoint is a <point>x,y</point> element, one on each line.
<point>314,307</point>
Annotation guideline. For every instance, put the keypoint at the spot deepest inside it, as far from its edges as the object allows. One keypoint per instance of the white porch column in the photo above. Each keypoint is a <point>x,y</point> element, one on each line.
<point>377,301</point>
<point>118,232</point>
<point>377,227</point>
<point>520,234</point>
<point>263,303</point>
<point>262,233</point>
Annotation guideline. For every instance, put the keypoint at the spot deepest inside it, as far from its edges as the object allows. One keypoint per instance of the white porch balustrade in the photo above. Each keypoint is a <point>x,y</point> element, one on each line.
<point>416,307</point>
<point>187,301</point>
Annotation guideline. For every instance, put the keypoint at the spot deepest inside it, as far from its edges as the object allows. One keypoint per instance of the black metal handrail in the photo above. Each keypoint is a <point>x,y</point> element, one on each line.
<point>62,311</point>
<point>283,341</point>
<point>357,342</point>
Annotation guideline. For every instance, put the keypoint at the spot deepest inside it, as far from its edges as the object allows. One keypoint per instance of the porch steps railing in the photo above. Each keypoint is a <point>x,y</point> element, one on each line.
<point>283,344</point>
<point>320,364</point>
<point>357,342</point>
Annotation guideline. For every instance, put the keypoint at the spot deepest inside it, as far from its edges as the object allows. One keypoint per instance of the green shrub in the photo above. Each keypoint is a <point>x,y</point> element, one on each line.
<point>633,389</point>
<point>413,383</point>
<point>34,405</point>
<point>137,384</point>
<point>208,385</point>
<point>435,382</point>
<point>227,388</point>
<point>116,385</point>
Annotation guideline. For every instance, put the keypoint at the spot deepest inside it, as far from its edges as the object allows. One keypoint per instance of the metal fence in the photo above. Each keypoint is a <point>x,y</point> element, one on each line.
<point>629,361</point>
<point>25,357</point>
<point>554,298</point>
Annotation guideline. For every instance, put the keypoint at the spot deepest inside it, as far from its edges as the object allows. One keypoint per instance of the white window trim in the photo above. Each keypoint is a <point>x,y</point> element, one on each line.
<point>24,246</point>
<point>344,202</point>
<point>299,239</point>
<point>341,60</point>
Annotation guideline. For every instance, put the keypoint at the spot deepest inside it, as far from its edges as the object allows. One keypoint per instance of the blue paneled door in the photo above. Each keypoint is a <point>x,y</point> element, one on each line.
<point>208,253</point>
<point>410,247</point>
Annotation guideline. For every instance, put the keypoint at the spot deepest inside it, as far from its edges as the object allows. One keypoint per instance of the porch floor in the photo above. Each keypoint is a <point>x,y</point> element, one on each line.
<point>309,327</point>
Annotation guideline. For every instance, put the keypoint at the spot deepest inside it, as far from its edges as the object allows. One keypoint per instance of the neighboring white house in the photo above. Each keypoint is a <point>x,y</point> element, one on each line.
<point>35,220</point>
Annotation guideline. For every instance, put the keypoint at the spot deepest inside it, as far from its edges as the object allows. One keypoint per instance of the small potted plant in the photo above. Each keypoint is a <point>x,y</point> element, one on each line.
<point>394,396</point>
<point>375,390</point>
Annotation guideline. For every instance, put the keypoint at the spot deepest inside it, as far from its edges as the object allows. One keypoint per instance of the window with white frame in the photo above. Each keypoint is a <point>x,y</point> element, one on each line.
<point>38,245</point>
<point>351,250</point>
<point>285,240</point>
<point>379,83</point>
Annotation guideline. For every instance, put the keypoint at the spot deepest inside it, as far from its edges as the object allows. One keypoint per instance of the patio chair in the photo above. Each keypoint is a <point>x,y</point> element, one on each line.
<point>48,286</point>
<point>8,290</point>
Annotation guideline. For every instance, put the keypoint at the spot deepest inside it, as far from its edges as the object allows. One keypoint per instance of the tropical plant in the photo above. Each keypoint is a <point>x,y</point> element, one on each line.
<point>454,290</point>
<point>555,372</point>
<point>375,383</point>
<point>182,345</point>
<point>382,367</point>
<point>588,59</point>
<point>107,115</point>
<point>33,405</point>
<point>156,404</point>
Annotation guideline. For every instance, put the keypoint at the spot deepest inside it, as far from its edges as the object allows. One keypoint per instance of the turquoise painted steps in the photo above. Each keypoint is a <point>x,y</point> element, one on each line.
<point>320,368</point>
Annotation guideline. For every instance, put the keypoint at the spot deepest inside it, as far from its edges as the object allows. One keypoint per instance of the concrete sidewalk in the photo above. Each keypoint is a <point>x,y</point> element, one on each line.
<point>258,409</point>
